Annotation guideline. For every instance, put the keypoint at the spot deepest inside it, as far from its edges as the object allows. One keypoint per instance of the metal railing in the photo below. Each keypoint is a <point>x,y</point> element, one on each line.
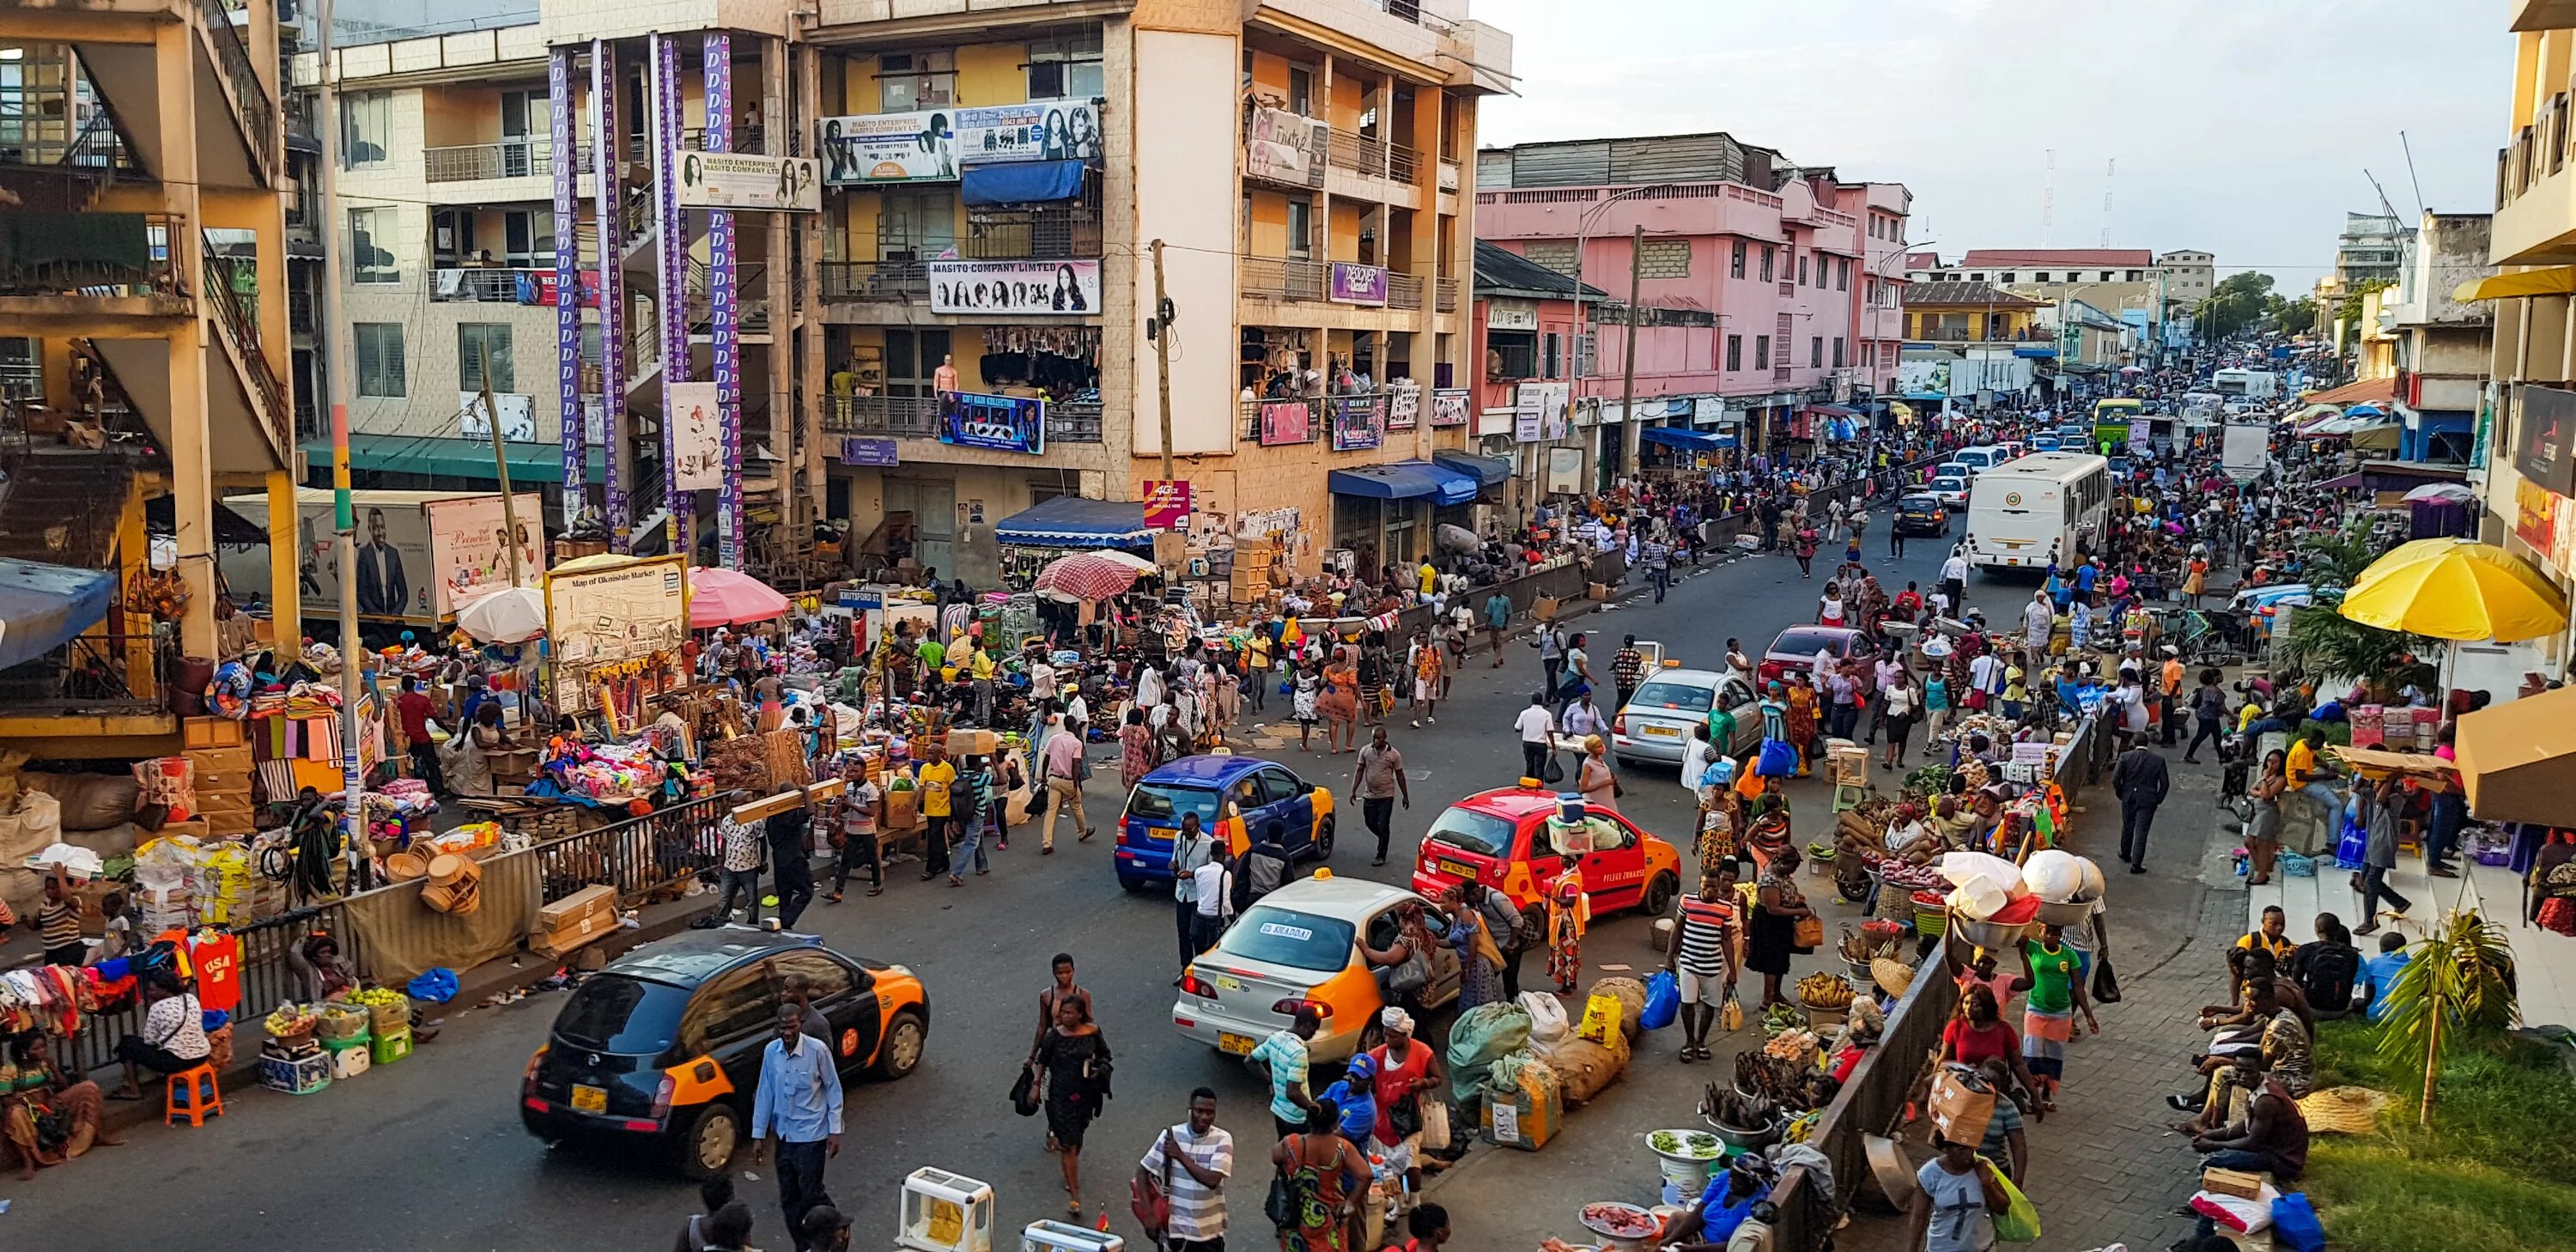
<point>505,158</point>
<point>1073,421</point>
<point>901,417</point>
<point>239,320</point>
<point>1252,411</point>
<point>491,286</point>
<point>1055,232</point>
<point>156,274</point>
<point>1872,1101</point>
<point>876,280</point>
<point>22,381</point>
<point>253,107</point>
<point>1265,278</point>
<point>1445,294</point>
<point>637,856</point>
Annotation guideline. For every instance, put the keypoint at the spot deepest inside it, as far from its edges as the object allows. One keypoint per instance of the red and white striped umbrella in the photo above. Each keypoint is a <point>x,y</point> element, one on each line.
<point>1087,576</point>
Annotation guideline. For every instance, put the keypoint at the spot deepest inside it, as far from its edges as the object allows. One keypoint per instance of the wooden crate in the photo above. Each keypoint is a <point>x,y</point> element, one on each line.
<point>210,732</point>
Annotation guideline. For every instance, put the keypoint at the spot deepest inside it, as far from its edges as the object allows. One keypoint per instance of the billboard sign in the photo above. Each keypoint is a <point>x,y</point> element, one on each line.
<point>890,148</point>
<point>469,547</point>
<point>1018,288</point>
<point>749,180</point>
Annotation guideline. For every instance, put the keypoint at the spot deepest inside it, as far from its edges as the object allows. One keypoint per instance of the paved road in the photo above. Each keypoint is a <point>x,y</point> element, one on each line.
<point>428,1154</point>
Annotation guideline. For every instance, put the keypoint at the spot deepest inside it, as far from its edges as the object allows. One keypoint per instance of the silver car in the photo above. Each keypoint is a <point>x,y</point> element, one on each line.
<point>1655,724</point>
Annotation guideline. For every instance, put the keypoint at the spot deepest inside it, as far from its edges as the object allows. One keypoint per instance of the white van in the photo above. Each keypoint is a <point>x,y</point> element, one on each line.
<point>1980,459</point>
<point>2033,512</point>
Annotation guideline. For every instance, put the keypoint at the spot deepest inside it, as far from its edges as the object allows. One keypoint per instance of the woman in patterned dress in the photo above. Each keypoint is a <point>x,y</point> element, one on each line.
<point>1325,1174</point>
<point>1567,913</point>
<point>1135,749</point>
<point>1802,721</point>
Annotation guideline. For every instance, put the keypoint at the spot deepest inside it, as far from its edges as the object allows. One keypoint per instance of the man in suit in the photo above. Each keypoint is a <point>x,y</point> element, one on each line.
<point>383,589</point>
<point>2141,782</point>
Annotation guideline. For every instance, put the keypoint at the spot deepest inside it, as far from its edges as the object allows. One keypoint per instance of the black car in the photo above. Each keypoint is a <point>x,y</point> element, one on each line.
<point>664,1046</point>
<point>1922,514</point>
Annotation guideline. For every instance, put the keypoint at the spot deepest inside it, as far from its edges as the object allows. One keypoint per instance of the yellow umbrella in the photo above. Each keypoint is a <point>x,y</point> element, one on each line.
<point>2457,589</point>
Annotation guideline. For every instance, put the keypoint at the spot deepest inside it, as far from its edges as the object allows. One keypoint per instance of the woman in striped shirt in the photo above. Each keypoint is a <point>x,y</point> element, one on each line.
<point>1702,957</point>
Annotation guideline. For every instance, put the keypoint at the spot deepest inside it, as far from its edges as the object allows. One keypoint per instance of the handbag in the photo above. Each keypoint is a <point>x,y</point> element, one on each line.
<point>2106,985</point>
<point>1730,1015</point>
<point>1281,1206</point>
<point>1409,975</point>
<point>1551,771</point>
<point>1151,1199</point>
<point>1809,934</point>
<point>1404,1116</point>
<point>1027,1092</point>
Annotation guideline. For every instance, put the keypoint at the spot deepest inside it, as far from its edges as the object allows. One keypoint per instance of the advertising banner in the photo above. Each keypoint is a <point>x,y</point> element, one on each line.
<point>697,437</point>
<point>1403,407</point>
<point>1359,422</point>
<point>620,613</point>
<point>1040,130</point>
<point>469,547</point>
<point>1525,414</point>
<point>392,551</point>
<point>1449,407</point>
<point>724,344</point>
<point>1286,422</point>
<point>1030,288</point>
<point>1167,503</point>
<point>1281,147</point>
<point>2544,439</point>
<point>748,180</point>
<point>518,416</point>
<point>565,283</point>
<point>2535,518</point>
<point>610,216</point>
<point>671,274</point>
<point>1002,423</point>
<point>877,452</point>
<point>1358,284</point>
<point>890,148</point>
<point>1553,401</point>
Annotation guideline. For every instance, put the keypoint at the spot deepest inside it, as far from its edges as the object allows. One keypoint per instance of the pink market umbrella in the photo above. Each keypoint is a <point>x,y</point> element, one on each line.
<point>723,597</point>
<point>1087,576</point>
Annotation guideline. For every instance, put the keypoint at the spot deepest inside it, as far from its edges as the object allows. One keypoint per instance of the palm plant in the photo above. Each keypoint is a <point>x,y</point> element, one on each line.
<point>2457,984</point>
<point>2329,644</point>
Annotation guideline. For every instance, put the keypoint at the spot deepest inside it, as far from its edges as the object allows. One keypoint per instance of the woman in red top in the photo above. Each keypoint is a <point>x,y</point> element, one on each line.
<point>1407,1071</point>
<point>1979,1033</point>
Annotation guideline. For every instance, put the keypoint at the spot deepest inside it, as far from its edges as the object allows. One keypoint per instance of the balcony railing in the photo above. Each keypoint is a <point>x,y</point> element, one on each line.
<point>489,286</point>
<point>876,280</point>
<point>1363,154</point>
<point>1313,426</point>
<point>1445,294</point>
<point>900,417</point>
<point>238,317</point>
<point>507,158</point>
<point>1268,279</point>
<point>107,254</point>
<point>1056,232</point>
<point>1073,421</point>
<point>254,109</point>
<point>1404,291</point>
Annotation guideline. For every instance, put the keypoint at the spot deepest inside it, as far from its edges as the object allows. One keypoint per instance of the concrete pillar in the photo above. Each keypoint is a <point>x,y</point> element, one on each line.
<point>192,486</point>
<point>133,552</point>
<point>285,558</point>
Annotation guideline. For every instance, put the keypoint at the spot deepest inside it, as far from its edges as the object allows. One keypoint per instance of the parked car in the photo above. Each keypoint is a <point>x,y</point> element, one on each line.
<point>1655,724</point>
<point>1796,648</point>
<point>1298,947</point>
<point>1922,513</point>
<point>1260,792</point>
<point>1494,836</point>
<point>664,1045</point>
<point>1951,490</point>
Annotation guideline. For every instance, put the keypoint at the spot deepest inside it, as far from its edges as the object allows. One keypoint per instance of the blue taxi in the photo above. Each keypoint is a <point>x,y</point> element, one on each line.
<point>1241,795</point>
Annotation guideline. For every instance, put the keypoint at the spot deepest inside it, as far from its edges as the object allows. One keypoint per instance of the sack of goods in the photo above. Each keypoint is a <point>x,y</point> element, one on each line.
<point>1524,1107</point>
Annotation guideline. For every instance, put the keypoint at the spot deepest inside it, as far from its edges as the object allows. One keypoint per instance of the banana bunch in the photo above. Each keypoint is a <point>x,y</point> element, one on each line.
<point>1825,991</point>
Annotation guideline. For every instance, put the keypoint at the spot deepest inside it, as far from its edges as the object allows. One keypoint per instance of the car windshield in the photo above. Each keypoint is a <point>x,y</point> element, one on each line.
<point>632,1016</point>
<point>1687,697</point>
<point>1470,831</point>
<point>1286,937</point>
<point>1950,484</point>
<point>1163,805</point>
<point>1925,503</point>
<point>1808,642</point>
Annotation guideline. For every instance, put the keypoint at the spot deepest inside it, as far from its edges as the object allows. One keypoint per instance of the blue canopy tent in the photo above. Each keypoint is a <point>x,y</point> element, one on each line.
<point>1487,470</point>
<point>1406,480</point>
<point>1685,440</point>
<point>1074,522</point>
<point>42,607</point>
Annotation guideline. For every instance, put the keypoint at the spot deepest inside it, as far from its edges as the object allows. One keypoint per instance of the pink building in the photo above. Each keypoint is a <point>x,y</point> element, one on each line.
<point>1767,293</point>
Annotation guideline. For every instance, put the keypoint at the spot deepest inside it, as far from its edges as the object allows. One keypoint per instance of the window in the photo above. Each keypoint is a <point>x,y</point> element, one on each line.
<point>1842,273</point>
<point>1066,68</point>
<point>1548,360</point>
<point>379,349</point>
<point>2106,276</point>
<point>525,116</point>
<point>1278,785</point>
<point>1301,228</point>
<point>528,237</point>
<point>2133,276</point>
<point>1762,352</point>
<point>371,259</point>
<point>1768,257</point>
<point>2040,277</point>
<point>1735,268</point>
<point>1838,352</point>
<point>729,1007</point>
<point>1816,353</point>
<point>2005,277</point>
<point>473,340</point>
<point>1511,354</point>
<point>912,360</point>
<point>1735,352</point>
<point>916,80</point>
<point>1802,270</point>
<point>366,126</point>
<point>1976,278</point>
<point>1301,91</point>
<point>825,979</point>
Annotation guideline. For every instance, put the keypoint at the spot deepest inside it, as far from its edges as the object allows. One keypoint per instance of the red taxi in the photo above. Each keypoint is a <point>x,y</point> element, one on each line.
<point>1490,837</point>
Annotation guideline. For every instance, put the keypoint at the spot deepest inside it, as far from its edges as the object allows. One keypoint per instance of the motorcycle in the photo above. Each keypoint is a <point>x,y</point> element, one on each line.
<point>2236,761</point>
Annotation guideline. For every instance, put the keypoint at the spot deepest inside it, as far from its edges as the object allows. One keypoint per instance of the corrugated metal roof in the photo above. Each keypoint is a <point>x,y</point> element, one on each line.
<point>2059,256</point>
<point>1502,272</point>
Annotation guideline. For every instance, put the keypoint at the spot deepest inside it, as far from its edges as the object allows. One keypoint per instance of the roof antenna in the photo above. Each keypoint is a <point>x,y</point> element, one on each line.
<point>2409,149</point>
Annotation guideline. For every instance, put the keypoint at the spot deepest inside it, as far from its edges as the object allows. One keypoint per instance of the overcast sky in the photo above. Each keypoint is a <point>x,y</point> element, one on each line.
<point>2240,126</point>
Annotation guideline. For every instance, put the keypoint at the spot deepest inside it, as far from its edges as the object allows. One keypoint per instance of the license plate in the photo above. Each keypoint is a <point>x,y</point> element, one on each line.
<point>1235,1045</point>
<point>590,1099</point>
<point>1457,869</point>
<point>1662,732</point>
<point>1224,983</point>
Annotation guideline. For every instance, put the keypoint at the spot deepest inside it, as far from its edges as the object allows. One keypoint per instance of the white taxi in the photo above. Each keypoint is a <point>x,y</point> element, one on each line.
<point>1295,947</point>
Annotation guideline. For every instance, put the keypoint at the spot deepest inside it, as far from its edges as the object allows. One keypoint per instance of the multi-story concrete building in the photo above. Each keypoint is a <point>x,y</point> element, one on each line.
<point>2113,280</point>
<point>2372,248</point>
<point>2441,350</point>
<point>145,157</point>
<point>1787,279</point>
<point>2189,277</point>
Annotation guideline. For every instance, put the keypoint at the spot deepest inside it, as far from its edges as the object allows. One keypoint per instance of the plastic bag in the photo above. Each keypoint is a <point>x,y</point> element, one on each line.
<point>2295,1225</point>
<point>438,985</point>
<point>2019,1222</point>
<point>1663,1001</point>
<point>1777,759</point>
<point>1961,868</point>
<point>1547,1016</point>
<point>1600,1019</point>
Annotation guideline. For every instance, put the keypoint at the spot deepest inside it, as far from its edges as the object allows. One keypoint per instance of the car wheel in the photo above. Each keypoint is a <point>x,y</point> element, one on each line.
<point>1659,894</point>
<point>1324,839</point>
<point>1534,920</point>
<point>707,1144</point>
<point>900,1051</point>
<point>1133,885</point>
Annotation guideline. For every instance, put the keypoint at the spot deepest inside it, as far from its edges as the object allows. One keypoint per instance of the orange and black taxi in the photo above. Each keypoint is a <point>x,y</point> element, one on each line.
<point>1501,838</point>
<point>664,1045</point>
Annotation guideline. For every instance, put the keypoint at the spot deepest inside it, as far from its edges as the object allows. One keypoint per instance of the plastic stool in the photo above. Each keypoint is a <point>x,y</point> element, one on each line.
<point>181,1097</point>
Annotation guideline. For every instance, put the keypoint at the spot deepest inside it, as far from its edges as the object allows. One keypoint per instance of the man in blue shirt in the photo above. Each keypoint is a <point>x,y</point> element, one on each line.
<point>2379,973</point>
<point>2085,576</point>
<point>798,1103</point>
<point>1498,617</point>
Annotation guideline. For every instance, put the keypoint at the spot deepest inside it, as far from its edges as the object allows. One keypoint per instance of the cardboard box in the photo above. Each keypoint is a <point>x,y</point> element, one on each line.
<point>236,760</point>
<point>1598,591</point>
<point>2237,1183</point>
<point>230,825</point>
<point>973,743</point>
<point>591,899</point>
<point>576,931</point>
<point>1544,608</point>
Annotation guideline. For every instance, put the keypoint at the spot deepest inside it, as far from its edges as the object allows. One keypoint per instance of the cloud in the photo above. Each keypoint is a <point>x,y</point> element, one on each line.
<point>2238,127</point>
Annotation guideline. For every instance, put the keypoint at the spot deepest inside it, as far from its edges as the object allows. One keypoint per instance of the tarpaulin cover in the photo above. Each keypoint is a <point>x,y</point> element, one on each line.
<point>1020,182</point>
<point>43,606</point>
<point>1488,470</point>
<point>1406,480</point>
<point>1688,440</point>
<point>1074,522</point>
<point>403,937</point>
<point>106,241</point>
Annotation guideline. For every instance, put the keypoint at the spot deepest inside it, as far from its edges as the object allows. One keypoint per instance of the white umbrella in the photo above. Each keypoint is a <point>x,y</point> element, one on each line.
<point>2442,491</point>
<point>1141,565</point>
<point>510,615</point>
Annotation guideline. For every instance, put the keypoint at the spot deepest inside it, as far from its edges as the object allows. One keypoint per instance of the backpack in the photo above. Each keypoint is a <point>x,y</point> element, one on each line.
<point>1510,928</point>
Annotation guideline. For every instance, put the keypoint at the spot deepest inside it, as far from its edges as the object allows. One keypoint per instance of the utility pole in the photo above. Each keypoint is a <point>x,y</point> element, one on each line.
<point>1159,328</point>
<point>344,518</point>
<point>1628,383</point>
<point>500,463</point>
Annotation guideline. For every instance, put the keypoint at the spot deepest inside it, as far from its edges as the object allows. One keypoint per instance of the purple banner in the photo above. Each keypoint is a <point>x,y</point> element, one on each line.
<point>877,452</point>
<point>720,312</point>
<point>576,493</point>
<point>672,275</point>
<point>605,185</point>
<point>1358,284</point>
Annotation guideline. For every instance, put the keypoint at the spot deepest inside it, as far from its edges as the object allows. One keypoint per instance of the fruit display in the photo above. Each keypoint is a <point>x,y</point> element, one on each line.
<point>290,1020</point>
<point>1825,991</point>
<point>1794,1045</point>
<point>1872,941</point>
<point>1780,1017</point>
<point>373,997</point>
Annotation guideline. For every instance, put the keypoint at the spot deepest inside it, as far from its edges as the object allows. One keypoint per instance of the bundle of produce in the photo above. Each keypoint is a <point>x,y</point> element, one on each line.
<point>388,1010</point>
<point>1767,1076</point>
<point>1631,995</point>
<point>1822,990</point>
<point>1797,1044</point>
<point>1582,1067</point>
<point>740,765</point>
<point>1780,1017</point>
<point>1737,1111</point>
<point>291,1024</point>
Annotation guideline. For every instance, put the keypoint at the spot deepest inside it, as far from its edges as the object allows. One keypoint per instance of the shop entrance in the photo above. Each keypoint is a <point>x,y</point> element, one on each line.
<point>933,506</point>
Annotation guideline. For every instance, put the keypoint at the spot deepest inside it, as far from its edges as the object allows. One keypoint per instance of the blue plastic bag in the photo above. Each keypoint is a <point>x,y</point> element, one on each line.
<point>2295,1225</point>
<point>1663,1001</point>
<point>438,986</point>
<point>1777,759</point>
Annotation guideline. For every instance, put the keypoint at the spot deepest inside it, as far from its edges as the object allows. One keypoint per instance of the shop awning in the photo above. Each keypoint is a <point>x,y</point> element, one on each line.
<point>1406,480</point>
<point>2557,280</point>
<point>2518,759</point>
<point>1834,410</point>
<point>1488,470</point>
<point>1020,182</point>
<point>443,456</point>
<point>1074,522</point>
<point>1686,440</point>
<point>43,606</point>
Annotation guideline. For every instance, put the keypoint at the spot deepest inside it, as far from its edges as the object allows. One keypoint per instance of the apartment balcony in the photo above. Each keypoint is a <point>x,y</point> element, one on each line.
<point>1274,422</point>
<point>1054,232</point>
<point>1445,294</point>
<point>472,286</point>
<point>93,265</point>
<point>1959,334</point>
<point>2535,220</point>
<point>1369,168</point>
<point>917,417</point>
<point>1264,278</point>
